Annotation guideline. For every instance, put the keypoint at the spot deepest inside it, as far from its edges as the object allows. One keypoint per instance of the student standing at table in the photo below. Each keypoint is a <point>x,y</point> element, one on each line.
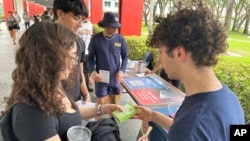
<point>189,42</point>
<point>71,14</point>
<point>105,50</point>
<point>85,32</point>
<point>44,111</point>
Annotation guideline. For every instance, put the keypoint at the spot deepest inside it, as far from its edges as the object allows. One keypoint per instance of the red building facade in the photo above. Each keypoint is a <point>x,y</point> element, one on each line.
<point>130,13</point>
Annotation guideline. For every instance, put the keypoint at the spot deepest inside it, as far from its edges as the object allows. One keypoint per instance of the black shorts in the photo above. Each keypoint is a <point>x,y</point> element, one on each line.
<point>12,27</point>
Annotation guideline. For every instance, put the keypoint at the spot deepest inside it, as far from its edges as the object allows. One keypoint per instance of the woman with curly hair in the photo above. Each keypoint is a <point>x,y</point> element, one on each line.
<point>46,56</point>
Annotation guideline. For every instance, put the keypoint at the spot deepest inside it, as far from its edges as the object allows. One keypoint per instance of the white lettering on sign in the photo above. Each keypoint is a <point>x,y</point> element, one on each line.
<point>240,132</point>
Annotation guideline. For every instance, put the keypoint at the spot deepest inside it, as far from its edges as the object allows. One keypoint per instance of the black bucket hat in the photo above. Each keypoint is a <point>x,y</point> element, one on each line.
<point>109,20</point>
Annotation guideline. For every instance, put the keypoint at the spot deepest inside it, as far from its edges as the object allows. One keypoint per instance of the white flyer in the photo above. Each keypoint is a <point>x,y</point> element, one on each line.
<point>104,75</point>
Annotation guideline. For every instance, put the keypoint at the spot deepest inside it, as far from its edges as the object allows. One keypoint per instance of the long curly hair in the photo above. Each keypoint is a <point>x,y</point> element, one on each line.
<point>196,29</point>
<point>40,60</point>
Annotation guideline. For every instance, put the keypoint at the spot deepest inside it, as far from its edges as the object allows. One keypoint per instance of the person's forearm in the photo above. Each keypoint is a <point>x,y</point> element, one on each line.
<point>84,88</point>
<point>91,63</point>
<point>91,112</point>
<point>157,66</point>
<point>7,23</point>
<point>162,120</point>
<point>124,62</point>
<point>88,112</point>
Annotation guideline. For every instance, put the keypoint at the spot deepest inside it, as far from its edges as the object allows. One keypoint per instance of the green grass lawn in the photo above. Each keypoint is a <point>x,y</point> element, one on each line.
<point>240,44</point>
<point>237,43</point>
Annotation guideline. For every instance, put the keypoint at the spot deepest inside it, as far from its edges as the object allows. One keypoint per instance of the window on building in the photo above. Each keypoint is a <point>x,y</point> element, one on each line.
<point>116,4</point>
<point>107,3</point>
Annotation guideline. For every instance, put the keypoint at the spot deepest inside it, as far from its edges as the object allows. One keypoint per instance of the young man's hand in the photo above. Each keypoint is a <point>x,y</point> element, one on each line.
<point>143,138</point>
<point>86,98</point>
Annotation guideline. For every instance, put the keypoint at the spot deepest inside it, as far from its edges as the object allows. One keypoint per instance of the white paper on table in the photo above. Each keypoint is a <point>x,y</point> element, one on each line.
<point>140,75</point>
<point>104,75</point>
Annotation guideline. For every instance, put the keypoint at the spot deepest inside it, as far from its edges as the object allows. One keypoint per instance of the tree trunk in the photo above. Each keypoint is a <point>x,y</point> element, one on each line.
<point>151,17</point>
<point>145,19</point>
<point>229,13</point>
<point>234,26</point>
<point>241,22</point>
<point>247,23</point>
<point>146,12</point>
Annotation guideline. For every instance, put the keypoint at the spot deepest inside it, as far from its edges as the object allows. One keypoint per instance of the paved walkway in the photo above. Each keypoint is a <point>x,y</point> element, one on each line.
<point>128,130</point>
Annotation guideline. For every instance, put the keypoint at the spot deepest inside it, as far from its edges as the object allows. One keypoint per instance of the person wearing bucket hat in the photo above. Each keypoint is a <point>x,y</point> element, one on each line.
<point>105,50</point>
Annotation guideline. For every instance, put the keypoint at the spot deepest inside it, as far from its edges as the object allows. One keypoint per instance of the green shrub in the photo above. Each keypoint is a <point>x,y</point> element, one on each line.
<point>236,75</point>
<point>1,17</point>
<point>137,48</point>
<point>96,29</point>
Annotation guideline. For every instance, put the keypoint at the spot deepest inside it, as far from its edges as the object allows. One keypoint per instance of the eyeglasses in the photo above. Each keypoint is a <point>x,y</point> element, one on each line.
<point>111,27</point>
<point>78,19</point>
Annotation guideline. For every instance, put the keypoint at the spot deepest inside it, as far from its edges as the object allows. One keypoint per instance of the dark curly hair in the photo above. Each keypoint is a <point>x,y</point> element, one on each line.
<point>196,29</point>
<point>40,59</point>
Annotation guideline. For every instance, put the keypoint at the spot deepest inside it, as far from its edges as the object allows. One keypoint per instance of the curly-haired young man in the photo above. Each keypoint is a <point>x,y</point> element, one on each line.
<point>189,42</point>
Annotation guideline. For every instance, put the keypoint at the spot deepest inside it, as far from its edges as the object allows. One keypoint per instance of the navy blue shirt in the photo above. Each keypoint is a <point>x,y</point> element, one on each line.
<point>105,54</point>
<point>207,117</point>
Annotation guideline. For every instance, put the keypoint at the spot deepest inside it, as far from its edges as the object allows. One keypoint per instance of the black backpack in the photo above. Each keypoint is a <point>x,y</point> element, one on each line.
<point>6,131</point>
<point>106,129</point>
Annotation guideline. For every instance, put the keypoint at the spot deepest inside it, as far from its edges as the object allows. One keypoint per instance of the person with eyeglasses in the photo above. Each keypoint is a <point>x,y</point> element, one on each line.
<point>71,14</point>
<point>108,58</point>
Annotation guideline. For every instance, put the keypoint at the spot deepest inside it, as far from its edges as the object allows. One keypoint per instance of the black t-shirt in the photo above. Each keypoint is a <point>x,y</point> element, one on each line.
<point>72,87</point>
<point>31,124</point>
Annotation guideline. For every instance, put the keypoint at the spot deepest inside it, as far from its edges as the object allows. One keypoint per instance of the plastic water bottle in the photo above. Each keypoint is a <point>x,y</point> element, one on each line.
<point>140,67</point>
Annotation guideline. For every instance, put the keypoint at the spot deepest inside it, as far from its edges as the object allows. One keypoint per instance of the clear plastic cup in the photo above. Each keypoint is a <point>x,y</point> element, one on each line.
<point>79,133</point>
<point>173,107</point>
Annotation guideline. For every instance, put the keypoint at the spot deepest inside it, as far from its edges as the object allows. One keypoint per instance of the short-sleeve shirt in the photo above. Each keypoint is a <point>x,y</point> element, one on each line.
<point>207,117</point>
<point>11,22</point>
<point>72,86</point>
<point>105,54</point>
<point>30,123</point>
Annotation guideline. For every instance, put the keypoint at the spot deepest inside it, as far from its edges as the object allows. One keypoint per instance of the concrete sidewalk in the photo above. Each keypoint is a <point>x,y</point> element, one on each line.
<point>128,130</point>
